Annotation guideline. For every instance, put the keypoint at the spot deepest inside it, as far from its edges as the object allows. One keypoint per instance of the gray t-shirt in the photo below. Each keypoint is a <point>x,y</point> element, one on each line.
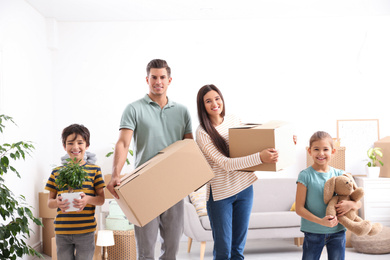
<point>155,128</point>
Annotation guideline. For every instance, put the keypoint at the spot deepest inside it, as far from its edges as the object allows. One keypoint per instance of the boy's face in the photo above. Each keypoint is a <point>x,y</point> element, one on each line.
<point>75,146</point>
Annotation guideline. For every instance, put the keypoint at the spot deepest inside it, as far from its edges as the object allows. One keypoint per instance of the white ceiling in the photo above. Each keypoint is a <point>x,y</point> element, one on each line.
<point>141,10</point>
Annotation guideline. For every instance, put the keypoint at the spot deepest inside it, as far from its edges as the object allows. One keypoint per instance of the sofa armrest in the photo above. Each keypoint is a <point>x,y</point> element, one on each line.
<point>192,226</point>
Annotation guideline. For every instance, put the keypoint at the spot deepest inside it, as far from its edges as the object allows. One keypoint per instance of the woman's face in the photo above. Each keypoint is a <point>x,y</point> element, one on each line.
<point>213,103</point>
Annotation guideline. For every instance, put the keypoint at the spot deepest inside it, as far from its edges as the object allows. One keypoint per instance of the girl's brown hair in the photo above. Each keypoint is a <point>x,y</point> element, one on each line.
<point>205,121</point>
<point>320,135</point>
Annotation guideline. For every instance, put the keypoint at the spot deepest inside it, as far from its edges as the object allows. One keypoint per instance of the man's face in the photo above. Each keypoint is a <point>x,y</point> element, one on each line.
<point>158,82</point>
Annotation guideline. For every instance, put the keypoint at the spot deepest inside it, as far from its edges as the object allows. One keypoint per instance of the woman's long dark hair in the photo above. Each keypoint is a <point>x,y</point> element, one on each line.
<point>205,121</point>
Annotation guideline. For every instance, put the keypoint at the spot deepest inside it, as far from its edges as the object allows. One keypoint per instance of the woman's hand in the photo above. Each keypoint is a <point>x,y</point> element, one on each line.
<point>269,155</point>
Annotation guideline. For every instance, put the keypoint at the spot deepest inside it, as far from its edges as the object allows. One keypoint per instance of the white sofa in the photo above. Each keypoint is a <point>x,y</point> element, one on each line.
<point>270,218</point>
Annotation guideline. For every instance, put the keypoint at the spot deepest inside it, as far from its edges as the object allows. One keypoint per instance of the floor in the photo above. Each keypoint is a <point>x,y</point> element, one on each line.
<point>270,249</point>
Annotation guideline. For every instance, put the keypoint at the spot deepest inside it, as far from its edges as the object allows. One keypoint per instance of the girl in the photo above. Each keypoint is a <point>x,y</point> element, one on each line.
<point>230,192</point>
<point>320,230</point>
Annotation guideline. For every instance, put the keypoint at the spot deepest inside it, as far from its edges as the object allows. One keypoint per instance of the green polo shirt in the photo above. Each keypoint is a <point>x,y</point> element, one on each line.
<point>155,128</point>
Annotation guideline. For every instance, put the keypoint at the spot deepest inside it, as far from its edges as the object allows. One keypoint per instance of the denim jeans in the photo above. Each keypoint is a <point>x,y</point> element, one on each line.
<point>229,219</point>
<point>314,243</point>
<point>75,247</point>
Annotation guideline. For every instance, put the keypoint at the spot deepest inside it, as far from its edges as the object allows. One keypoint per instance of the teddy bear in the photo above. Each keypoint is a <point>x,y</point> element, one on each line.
<point>343,187</point>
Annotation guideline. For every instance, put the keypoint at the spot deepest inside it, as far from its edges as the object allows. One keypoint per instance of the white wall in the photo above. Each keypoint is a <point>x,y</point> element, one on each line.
<point>26,95</point>
<point>309,70</point>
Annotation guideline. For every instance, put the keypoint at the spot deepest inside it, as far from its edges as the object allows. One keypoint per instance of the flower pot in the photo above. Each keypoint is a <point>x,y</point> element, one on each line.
<point>70,197</point>
<point>373,172</point>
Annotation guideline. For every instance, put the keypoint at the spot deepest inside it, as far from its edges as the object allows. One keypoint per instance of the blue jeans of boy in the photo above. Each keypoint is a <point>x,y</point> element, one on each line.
<point>229,219</point>
<point>75,247</point>
<point>314,243</point>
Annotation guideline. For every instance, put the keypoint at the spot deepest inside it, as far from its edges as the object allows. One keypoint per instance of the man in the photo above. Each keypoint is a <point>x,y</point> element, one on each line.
<point>156,122</point>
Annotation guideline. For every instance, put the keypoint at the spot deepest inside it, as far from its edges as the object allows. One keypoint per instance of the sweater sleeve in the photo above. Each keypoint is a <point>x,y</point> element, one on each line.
<point>228,164</point>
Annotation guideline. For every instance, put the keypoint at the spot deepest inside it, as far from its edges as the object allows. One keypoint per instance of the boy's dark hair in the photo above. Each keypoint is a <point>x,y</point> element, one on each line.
<point>205,121</point>
<point>158,64</point>
<point>77,130</point>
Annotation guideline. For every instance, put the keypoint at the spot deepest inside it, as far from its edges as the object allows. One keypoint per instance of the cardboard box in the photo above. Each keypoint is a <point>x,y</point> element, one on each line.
<point>124,247</point>
<point>384,143</point>
<point>161,182</point>
<point>47,235</point>
<point>107,179</point>
<point>44,210</point>
<point>249,139</point>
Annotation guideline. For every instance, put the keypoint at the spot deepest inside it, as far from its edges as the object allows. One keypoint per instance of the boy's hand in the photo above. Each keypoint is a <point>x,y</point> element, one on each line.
<point>115,181</point>
<point>81,203</point>
<point>62,204</point>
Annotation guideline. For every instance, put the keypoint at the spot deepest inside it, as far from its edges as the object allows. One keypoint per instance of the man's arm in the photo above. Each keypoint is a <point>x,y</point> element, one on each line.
<point>188,136</point>
<point>120,155</point>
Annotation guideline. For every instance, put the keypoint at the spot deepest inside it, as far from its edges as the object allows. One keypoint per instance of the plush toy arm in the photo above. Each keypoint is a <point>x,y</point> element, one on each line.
<point>357,194</point>
<point>331,209</point>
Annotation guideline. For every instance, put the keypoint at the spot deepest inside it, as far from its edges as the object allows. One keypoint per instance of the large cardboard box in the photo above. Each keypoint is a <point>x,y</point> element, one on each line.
<point>44,210</point>
<point>47,235</point>
<point>161,182</point>
<point>384,143</point>
<point>249,139</point>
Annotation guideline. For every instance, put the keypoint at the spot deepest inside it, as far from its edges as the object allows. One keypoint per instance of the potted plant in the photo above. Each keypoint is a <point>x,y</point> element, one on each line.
<point>15,213</point>
<point>71,177</point>
<point>374,154</point>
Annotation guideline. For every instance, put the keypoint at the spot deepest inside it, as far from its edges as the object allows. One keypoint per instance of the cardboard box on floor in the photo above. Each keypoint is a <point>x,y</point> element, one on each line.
<point>384,143</point>
<point>44,210</point>
<point>249,139</point>
<point>161,182</point>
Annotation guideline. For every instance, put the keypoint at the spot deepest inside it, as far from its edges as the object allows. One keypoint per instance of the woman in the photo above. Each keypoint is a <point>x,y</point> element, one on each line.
<point>230,192</point>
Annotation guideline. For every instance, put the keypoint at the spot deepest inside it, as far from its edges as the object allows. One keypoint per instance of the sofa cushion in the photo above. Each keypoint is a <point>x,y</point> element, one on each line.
<point>274,220</point>
<point>198,199</point>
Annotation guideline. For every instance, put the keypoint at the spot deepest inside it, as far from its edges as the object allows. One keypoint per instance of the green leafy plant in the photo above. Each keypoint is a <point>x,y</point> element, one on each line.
<point>373,154</point>
<point>71,176</point>
<point>16,213</point>
<point>127,159</point>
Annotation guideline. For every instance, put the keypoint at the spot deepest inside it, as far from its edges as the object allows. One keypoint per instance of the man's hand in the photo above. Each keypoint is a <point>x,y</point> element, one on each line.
<point>115,181</point>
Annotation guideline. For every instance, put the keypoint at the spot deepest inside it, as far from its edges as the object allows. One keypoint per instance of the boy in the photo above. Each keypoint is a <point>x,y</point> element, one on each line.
<point>75,231</point>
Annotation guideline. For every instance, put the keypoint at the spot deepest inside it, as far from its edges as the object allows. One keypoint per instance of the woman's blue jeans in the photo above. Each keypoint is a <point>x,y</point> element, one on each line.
<point>314,243</point>
<point>229,219</point>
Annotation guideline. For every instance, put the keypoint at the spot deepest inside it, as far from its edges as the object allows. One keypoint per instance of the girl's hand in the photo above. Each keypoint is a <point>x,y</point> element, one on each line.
<point>329,221</point>
<point>62,204</point>
<point>343,207</point>
<point>81,203</point>
<point>295,139</point>
<point>269,155</point>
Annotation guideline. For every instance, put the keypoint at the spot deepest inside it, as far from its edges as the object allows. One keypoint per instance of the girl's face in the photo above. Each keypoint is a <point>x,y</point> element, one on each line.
<point>321,151</point>
<point>213,103</point>
<point>76,147</point>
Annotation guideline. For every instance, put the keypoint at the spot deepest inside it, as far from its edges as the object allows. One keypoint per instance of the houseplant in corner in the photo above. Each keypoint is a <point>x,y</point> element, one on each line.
<point>15,213</point>
<point>374,155</point>
<point>71,177</point>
